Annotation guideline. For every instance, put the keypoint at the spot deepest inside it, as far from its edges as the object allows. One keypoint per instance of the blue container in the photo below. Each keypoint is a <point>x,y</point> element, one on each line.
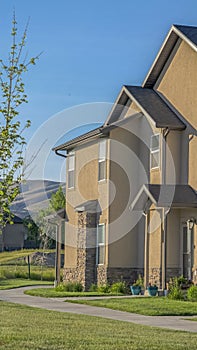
<point>135,290</point>
<point>152,291</point>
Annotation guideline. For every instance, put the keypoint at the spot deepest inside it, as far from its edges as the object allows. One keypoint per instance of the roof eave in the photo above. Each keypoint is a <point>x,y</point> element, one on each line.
<point>79,140</point>
<point>173,31</point>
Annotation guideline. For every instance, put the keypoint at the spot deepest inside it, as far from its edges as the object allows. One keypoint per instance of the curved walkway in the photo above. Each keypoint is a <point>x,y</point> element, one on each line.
<point>58,304</point>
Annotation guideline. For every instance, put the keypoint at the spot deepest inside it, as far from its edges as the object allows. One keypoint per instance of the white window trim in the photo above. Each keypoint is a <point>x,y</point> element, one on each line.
<point>100,244</point>
<point>71,154</point>
<point>152,152</point>
<point>103,159</point>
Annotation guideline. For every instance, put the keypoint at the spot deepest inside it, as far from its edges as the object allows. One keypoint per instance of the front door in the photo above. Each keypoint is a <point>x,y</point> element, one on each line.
<point>188,246</point>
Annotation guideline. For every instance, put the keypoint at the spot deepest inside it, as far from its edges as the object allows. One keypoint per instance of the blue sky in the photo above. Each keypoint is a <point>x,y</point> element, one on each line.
<point>90,48</point>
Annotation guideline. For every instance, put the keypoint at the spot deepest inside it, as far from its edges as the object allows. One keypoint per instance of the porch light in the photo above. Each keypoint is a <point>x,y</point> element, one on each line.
<point>190,223</point>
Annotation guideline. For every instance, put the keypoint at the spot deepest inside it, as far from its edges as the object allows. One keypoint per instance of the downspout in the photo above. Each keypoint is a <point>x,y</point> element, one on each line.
<point>164,243</point>
<point>146,274</point>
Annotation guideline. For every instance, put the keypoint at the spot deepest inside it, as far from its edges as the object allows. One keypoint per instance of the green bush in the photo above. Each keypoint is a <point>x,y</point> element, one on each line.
<point>104,288</point>
<point>93,288</point>
<point>69,287</point>
<point>175,293</point>
<point>139,282</point>
<point>192,293</point>
<point>119,287</point>
<point>77,287</point>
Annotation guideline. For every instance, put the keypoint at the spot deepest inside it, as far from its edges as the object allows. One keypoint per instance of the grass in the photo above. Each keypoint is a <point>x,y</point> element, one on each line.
<point>6,257</point>
<point>52,293</point>
<point>13,265</point>
<point>36,272</point>
<point>29,328</point>
<point>191,319</point>
<point>16,283</point>
<point>155,306</point>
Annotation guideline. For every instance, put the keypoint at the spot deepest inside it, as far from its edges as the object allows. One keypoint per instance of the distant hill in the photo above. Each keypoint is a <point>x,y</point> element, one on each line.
<point>34,196</point>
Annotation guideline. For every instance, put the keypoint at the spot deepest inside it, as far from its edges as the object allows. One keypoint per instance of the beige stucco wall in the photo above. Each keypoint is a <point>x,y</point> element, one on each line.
<point>173,238</point>
<point>178,84</point>
<point>173,167</point>
<point>128,171</point>
<point>86,188</point>
<point>154,239</point>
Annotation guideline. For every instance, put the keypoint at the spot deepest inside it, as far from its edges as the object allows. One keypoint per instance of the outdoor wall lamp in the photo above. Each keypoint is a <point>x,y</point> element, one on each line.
<point>190,223</point>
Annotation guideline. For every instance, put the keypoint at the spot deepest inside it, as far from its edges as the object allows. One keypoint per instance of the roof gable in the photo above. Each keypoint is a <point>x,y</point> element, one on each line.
<point>150,103</point>
<point>177,32</point>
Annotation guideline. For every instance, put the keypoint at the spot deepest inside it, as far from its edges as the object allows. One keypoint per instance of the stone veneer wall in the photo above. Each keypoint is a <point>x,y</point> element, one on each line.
<point>155,274</point>
<point>85,271</point>
<point>116,274</point>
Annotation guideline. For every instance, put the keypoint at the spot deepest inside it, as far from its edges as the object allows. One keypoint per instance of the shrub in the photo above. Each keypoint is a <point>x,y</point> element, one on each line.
<point>60,288</point>
<point>104,288</point>
<point>192,293</point>
<point>139,282</point>
<point>69,287</point>
<point>93,288</point>
<point>181,280</point>
<point>175,293</point>
<point>77,287</point>
<point>119,287</point>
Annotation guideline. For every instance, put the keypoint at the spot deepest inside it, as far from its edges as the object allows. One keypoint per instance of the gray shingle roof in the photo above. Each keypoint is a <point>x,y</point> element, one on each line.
<point>156,108</point>
<point>71,143</point>
<point>91,206</point>
<point>173,195</point>
<point>189,31</point>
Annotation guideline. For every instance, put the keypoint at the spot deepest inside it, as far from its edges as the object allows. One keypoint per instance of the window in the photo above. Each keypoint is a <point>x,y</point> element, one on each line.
<point>100,244</point>
<point>102,161</point>
<point>155,151</point>
<point>71,170</point>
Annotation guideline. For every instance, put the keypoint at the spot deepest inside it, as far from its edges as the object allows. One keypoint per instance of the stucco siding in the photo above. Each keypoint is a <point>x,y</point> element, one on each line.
<point>178,84</point>
<point>173,239</point>
<point>86,188</point>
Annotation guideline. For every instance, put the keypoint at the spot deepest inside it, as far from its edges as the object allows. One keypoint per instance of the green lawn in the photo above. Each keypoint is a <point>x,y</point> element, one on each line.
<point>192,319</point>
<point>155,306</point>
<point>6,257</point>
<point>52,293</point>
<point>36,272</point>
<point>25,328</point>
<point>14,265</point>
<point>16,283</point>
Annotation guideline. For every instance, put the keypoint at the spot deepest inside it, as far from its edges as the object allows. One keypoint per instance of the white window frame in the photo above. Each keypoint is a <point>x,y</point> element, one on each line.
<point>71,154</point>
<point>102,159</point>
<point>100,245</point>
<point>153,151</point>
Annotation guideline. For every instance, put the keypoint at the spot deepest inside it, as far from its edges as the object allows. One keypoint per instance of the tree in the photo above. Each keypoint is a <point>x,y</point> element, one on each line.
<point>12,141</point>
<point>57,200</point>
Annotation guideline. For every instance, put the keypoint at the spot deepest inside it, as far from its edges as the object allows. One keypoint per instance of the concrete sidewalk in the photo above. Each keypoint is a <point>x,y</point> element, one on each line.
<point>58,304</point>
